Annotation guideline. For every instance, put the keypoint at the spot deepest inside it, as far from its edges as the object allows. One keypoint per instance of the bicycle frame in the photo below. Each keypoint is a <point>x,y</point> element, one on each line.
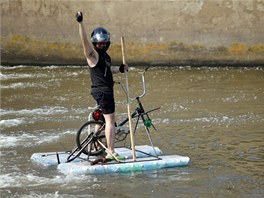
<point>143,85</point>
<point>138,113</point>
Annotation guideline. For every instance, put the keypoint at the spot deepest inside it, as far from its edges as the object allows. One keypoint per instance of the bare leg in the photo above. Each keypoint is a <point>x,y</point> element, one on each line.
<point>110,131</point>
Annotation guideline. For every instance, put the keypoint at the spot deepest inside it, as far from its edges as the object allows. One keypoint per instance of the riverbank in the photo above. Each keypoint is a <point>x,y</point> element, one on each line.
<point>193,33</point>
<point>135,64</point>
<point>21,50</point>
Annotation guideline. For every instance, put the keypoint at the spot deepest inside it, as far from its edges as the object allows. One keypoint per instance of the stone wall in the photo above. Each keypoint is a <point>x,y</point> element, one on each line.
<point>157,32</point>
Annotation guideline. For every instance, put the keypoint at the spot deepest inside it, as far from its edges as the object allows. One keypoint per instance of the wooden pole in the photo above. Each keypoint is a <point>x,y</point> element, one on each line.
<point>128,102</point>
<point>108,151</point>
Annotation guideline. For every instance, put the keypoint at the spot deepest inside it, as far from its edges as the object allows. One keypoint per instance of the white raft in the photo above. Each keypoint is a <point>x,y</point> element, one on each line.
<point>145,160</point>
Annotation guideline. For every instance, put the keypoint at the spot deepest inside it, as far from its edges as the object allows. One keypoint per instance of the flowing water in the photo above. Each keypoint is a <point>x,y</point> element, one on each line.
<point>213,115</point>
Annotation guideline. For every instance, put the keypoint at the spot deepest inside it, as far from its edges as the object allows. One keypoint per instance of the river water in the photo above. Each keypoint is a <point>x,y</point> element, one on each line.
<point>213,115</point>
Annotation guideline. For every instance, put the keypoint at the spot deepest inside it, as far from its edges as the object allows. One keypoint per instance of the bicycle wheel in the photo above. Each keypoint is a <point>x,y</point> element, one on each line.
<point>88,136</point>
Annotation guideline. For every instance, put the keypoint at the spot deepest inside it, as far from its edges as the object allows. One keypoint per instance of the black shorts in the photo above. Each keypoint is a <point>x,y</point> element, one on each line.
<point>106,101</point>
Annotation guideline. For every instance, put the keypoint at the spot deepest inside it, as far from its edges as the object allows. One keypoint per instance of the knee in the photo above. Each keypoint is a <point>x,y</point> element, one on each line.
<point>110,119</point>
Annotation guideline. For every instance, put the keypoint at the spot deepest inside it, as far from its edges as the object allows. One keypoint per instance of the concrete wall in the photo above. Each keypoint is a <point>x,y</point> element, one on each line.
<point>157,32</point>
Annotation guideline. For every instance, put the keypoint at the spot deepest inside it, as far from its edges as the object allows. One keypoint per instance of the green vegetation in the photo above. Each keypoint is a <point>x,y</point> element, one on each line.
<point>26,50</point>
<point>19,49</point>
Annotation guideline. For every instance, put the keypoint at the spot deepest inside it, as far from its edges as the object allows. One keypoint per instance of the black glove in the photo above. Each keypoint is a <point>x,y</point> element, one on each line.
<point>122,68</point>
<point>79,16</point>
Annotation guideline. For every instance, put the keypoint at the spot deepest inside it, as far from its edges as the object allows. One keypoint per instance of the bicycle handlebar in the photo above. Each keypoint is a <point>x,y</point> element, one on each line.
<point>143,84</point>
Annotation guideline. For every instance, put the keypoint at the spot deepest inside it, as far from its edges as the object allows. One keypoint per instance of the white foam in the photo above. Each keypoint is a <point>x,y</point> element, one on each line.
<point>223,119</point>
<point>14,75</point>
<point>15,140</point>
<point>21,75</point>
<point>7,141</point>
<point>29,140</point>
<point>21,85</point>
<point>72,74</point>
<point>14,118</point>
<point>30,180</point>
<point>46,110</point>
<point>1,75</point>
<point>11,122</point>
<point>13,67</point>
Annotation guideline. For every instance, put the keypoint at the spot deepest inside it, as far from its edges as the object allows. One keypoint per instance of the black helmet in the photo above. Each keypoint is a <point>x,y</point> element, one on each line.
<point>100,36</point>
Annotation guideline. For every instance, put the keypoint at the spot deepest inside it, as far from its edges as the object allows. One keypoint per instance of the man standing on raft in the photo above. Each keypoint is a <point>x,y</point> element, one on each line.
<point>101,71</point>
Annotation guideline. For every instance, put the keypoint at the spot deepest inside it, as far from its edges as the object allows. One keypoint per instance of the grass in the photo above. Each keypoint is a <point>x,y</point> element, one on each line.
<point>22,49</point>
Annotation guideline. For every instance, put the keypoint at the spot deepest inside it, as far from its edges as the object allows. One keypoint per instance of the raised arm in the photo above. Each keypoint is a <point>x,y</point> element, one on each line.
<point>90,54</point>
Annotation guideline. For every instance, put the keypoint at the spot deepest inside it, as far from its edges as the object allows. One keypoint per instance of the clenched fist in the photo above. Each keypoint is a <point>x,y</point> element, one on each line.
<point>79,16</point>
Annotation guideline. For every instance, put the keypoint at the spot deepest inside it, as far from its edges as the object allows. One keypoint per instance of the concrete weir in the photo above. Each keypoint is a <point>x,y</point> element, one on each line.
<point>157,32</point>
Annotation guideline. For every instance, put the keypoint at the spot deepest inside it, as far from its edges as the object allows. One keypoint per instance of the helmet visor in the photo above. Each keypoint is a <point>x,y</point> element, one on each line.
<point>100,38</point>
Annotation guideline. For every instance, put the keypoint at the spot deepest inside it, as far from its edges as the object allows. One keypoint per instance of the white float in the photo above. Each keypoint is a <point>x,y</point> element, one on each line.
<point>147,158</point>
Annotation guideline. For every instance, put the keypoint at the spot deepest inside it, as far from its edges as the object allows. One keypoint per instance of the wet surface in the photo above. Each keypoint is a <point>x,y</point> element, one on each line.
<point>213,115</point>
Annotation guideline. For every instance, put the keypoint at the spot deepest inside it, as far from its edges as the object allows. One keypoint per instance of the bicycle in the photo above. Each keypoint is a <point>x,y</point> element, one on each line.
<point>90,138</point>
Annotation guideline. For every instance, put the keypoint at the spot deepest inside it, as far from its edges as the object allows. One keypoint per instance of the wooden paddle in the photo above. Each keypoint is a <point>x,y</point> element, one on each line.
<point>128,102</point>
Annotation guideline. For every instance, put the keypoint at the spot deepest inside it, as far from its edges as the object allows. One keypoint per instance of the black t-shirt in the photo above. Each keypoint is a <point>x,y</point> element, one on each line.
<point>101,75</point>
